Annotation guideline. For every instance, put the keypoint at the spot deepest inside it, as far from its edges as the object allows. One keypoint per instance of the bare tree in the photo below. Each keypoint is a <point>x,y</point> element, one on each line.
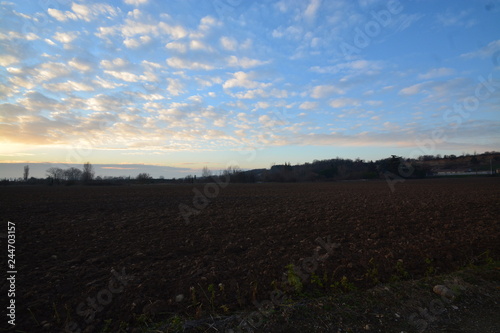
<point>88,172</point>
<point>73,174</point>
<point>57,174</point>
<point>205,172</point>
<point>144,177</point>
<point>26,173</point>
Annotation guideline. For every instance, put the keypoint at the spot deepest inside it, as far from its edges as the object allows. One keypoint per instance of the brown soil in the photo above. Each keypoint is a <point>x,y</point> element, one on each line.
<point>130,248</point>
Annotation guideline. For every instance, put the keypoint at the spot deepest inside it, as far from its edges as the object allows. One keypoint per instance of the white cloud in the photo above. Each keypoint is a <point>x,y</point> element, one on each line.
<point>114,64</point>
<point>81,65</point>
<point>6,60</point>
<point>125,76</point>
<point>82,12</point>
<point>228,43</point>
<point>133,43</point>
<point>342,102</point>
<point>177,46</point>
<point>65,37</point>
<point>198,45</point>
<point>412,90</point>
<point>311,10</point>
<point>323,91</point>
<point>177,62</point>
<point>484,52</point>
<point>450,18</point>
<point>234,61</point>
<point>136,2</point>
<point>437,72</point>
<point>242,79</point>
<point>175,86</point>
<point>308,105</point>
<point>68,86</point>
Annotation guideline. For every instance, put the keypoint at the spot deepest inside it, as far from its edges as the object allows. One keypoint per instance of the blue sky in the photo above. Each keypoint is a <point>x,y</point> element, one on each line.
<point>184,84</point>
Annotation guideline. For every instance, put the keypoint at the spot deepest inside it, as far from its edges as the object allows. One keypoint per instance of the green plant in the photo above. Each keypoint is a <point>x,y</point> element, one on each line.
<point>107,326</point>
<point>176,323</point>
<point>430,270</point>
<point>123,326</point>
<point>401,273</point>
<point>372,271</point>
<point>346,285</point>
<point>315,279</point>
<point>56,313</point>
<point>293,278</point>
<point>192,291</point>
<point>343,285</point>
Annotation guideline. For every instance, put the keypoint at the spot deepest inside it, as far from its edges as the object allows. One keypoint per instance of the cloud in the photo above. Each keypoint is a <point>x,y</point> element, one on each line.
<point>82,12</point>
<point>450,18</point>
<point>136,2</point>
<point>437,72</point>
<point>125,76</point>
<point>68,86</point>
<point>342,102</point>
<point>308,105</point>
<point>228,43</point>
<point>80,65</point>
<point>311,10</point>
<point>412,90</point>
<point>234,61</point>
<point>183,63</point>
<point>175,86</point>
<point>244,80</point>
<point>484,52</point>
<point>115,63</point>
<point>350,67</point>
<point>7,59</point>
<point>65,37</point>
<point>323,91</point>
<point>177,46</point>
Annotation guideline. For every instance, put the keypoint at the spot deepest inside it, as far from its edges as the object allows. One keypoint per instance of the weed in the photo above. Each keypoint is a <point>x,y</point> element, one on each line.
<point>107,326</point>
<point>315,279</point>
<point>176,323</point>
<point>430,270</point>
<point>56,313</point>
<point>401,273</point>
<point>293,278</point>
<point>34,318</point>
<point>253,285</point>
<point>372,272</point>
<point>193,296</point>
<point>123,326</point>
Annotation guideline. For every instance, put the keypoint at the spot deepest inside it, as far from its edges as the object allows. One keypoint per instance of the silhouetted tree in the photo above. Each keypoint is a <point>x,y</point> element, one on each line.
<point>88,172</point>
<point>26,172</point>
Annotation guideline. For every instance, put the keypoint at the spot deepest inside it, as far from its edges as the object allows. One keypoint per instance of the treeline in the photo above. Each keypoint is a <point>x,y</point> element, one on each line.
<point>347,169</point>
<point>319,170</point>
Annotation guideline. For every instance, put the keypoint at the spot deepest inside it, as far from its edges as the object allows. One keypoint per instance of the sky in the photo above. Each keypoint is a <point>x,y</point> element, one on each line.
<point>169,87</point>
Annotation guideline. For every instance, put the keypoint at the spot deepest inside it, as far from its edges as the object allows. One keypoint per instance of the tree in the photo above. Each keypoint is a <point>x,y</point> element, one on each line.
<point>26,173</point>
<point>205,172</point>
<point>73,174</point>
<point>88,172</point>
<point>144,177</point>
<point>57,174</point>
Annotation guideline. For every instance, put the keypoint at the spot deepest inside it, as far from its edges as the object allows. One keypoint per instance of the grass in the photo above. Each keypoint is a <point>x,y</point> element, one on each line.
<point>398,305</point>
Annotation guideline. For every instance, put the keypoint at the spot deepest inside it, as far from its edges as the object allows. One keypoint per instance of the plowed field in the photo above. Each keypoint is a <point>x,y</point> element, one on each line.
<point>87,254</point>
